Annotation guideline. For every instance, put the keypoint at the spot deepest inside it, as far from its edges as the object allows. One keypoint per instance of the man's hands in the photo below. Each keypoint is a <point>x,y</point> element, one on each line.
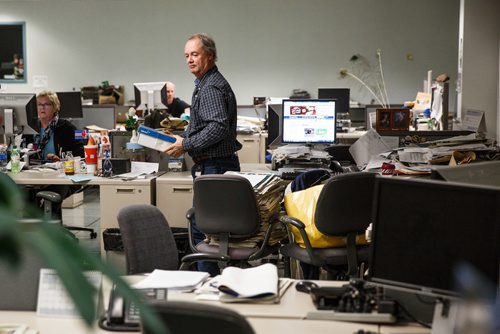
<point>176,149</point>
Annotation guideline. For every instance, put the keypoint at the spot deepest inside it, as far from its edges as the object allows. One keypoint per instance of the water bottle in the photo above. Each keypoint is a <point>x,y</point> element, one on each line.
<point>15,160</point>
<point>3,158</point>
<point>107,167</point>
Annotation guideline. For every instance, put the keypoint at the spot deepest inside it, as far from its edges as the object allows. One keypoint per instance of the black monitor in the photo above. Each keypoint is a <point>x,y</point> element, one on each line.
<point>424,229</point>
<point>310,121</point>
<point>71,104</point>
<point>150,95</point>
<point>274,114</point>
<point>18,114</point>
<point>342,95</point>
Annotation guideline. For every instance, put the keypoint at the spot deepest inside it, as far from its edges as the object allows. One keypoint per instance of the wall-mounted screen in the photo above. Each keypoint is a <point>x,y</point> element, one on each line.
<point>12,52</point>
<point>309,121</point>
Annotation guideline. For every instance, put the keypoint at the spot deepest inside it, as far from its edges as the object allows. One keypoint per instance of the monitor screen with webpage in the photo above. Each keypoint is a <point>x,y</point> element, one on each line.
<point>424,229</point>
<point>150,95</point>
<point>309,121</point>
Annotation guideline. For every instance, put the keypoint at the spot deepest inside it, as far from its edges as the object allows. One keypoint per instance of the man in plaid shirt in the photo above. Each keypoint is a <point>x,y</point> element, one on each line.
<point>210,138</point>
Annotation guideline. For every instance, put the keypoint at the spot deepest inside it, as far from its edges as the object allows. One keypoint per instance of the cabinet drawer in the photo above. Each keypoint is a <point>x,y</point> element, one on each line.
<point>113,198</point>
<point>174,200</point>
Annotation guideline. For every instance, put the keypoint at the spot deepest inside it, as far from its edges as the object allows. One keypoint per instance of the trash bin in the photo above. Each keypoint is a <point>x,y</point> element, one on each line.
<point>113,246</point>
<point>181,240</point>
<point>112,239</point>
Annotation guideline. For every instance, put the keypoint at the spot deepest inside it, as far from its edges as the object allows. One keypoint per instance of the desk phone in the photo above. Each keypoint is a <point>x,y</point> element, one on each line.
<point>124,315</point>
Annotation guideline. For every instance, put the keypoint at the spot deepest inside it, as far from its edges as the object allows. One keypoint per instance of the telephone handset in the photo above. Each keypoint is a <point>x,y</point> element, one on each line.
<point>344,167</point>
<point>123,315</point>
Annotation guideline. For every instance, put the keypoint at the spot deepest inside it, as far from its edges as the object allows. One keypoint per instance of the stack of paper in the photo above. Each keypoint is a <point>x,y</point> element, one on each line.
<point>268,189</point>
<point>173,280</point>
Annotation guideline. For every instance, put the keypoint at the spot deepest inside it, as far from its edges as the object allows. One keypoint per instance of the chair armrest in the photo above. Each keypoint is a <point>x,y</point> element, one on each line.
<point>189,259</point>
<point>190,214</point>
<point>287,220</point>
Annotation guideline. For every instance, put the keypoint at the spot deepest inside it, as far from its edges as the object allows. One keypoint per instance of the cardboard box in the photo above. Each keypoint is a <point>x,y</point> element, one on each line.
<point>154,139</point>
<point>73,201</point>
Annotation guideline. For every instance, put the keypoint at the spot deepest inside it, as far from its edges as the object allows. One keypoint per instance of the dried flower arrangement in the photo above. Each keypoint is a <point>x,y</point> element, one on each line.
<point>378,89</point>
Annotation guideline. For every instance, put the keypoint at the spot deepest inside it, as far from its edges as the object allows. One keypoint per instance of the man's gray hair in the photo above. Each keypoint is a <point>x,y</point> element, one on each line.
<point>207,43</point>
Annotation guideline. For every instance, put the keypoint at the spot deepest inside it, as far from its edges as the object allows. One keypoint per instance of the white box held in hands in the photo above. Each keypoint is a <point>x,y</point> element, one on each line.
<point>154,139</point>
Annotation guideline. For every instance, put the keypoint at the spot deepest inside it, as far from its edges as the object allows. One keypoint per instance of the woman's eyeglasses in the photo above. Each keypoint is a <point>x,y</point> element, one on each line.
<point>43,105</point>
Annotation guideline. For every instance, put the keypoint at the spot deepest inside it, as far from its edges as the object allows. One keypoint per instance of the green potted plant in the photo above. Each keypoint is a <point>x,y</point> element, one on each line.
<point>60,252</point>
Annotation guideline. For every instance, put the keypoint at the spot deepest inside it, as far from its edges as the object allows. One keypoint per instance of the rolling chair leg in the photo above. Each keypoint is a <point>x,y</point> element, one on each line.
<point>51,197</point>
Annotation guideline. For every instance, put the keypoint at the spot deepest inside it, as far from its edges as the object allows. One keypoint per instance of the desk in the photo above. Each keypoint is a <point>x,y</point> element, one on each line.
<point>286,317</point>
<point>114,193</point>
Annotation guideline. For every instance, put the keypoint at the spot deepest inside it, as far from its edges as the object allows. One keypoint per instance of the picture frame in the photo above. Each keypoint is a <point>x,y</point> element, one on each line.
<point>392,119</point>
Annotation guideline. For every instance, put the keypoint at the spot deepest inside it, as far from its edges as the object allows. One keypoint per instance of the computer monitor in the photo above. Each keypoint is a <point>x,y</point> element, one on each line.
<point>424,229</point>
<point>309,121</point>
<point>342,95</point>
<point>71,104</point>
<point>274,115</point>
<point>18,114</point>
<point>150,95</point>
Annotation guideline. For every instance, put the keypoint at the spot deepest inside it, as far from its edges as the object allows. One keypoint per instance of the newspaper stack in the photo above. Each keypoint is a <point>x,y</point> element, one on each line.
<point>268,189</point>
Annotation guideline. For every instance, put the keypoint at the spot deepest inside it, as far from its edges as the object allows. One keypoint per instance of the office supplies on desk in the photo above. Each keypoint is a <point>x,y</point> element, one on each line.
<point>173,280</point>
<point>256,282</point>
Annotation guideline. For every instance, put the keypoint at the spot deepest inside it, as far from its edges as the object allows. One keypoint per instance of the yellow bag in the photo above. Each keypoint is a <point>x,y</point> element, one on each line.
<point>302,205</point>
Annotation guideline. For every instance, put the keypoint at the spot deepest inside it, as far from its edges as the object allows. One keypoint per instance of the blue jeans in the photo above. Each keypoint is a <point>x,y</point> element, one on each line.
<point>212,166</point>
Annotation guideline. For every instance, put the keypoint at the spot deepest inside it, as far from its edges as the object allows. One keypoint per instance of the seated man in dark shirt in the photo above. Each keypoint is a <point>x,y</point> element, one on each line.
<point>176,107</point>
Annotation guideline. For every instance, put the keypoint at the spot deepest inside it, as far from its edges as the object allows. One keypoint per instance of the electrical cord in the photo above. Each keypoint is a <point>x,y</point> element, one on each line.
<point>405,311</point>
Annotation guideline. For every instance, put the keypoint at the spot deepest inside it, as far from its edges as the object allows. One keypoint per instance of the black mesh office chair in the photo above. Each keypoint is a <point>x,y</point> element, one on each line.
<point>225,208</point>
<point>50,198</point>
<point>343,209</point>
<point>188,317</point>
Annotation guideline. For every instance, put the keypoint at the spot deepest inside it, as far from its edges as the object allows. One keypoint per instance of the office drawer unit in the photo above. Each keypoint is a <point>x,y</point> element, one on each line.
<point>116,194</point>
<point>251,150</point>
<point>174,196</point>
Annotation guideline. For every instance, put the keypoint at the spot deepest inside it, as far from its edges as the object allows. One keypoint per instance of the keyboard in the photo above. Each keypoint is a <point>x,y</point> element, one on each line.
<point>290,173</point>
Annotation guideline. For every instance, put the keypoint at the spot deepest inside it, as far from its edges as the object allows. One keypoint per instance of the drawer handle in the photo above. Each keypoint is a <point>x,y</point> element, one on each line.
<point>182,190</point>
<point>125,191</point>
<point>249,140</point>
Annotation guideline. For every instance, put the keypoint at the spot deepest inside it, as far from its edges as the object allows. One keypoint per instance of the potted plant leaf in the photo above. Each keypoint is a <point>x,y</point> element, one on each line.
<point>61,253</point>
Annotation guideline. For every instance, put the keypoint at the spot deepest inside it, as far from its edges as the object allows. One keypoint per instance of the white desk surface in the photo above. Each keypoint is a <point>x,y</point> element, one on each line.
<point>286,317</point>
<point>34,177</point>
<point>49,325</point>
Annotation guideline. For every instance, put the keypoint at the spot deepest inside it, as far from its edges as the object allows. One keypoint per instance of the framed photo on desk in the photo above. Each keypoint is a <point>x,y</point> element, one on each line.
<point>392,119</point>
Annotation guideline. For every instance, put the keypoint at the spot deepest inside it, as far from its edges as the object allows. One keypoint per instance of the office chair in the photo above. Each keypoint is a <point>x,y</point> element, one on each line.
<point>343,209</point>
<point>226,209</point>
<point>49,199</point>
<point>148,241</point>
<point>189,317</point>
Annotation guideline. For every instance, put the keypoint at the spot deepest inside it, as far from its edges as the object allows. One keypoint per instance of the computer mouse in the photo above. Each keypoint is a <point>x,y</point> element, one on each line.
<point>305,286</point>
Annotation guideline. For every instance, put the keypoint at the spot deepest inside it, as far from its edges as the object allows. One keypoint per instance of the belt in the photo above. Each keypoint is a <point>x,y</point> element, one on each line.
<point>199,159</point>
